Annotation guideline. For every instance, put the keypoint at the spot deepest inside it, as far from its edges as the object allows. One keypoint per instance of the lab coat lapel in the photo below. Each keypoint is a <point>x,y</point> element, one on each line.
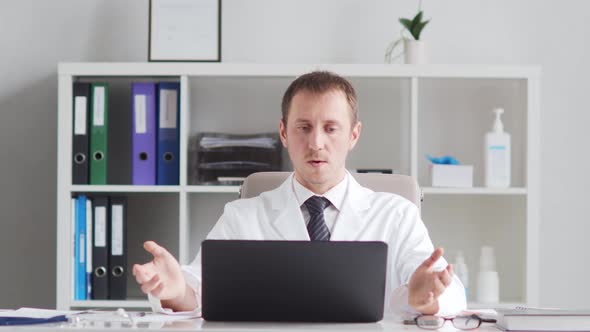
<point>287,218</point>
<point>350,221</point>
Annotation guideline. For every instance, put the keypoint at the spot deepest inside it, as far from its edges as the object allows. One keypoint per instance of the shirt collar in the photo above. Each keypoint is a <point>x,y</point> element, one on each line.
<point>334,195</point>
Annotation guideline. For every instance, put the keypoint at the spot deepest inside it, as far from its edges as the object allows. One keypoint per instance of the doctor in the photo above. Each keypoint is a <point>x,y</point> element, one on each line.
<point>321,201</point>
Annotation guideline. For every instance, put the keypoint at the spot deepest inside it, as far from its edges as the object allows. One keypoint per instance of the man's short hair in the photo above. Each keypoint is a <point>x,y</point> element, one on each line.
<point>320,82</point>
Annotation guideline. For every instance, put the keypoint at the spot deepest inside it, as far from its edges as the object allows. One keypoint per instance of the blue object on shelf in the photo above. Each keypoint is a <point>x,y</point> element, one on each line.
<point>444,160</point>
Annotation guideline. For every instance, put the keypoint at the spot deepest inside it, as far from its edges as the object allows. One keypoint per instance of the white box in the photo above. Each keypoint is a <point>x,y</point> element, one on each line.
<point>457,176</point>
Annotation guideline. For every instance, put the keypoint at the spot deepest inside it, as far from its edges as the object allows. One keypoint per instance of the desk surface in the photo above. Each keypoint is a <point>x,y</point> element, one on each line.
<point>388,324</point>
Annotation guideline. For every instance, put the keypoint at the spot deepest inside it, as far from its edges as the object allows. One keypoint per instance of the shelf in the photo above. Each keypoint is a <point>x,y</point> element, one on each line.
<point>213,189</point>
<point>503,305</point>
<point>154,189</point>
<point>293,70</point>
<point>426,190</point>
<point>475,191</point>
<point>110,304</point>
<point>419,99</point>
<point>236,189</point>
<point>124,189</point>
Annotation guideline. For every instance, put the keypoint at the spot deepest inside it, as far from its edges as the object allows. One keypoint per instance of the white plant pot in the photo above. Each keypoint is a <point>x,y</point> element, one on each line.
<point>415,52</point>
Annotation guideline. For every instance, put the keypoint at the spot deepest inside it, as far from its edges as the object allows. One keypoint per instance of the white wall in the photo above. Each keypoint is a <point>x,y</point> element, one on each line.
<point>36,35</point>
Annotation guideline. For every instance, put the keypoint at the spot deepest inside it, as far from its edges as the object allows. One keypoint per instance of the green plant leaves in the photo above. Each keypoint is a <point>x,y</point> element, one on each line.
<point>417,19</point>
<point>414,26</point>
<point>406,23</point>
<point>418,29</point>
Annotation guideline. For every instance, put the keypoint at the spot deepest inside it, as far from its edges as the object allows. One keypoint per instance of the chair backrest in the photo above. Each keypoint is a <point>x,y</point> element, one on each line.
<point>403,185</point>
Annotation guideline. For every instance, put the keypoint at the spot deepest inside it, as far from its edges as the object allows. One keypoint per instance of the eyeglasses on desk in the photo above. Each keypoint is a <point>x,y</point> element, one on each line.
<point>465,322</point>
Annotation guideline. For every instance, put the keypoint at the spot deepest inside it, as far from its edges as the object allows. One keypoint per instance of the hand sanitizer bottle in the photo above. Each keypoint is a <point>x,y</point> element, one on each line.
<point>460,269</point>
<point>497,155</point>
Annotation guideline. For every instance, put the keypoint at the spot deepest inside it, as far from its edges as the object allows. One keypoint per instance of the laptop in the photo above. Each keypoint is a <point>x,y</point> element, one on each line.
<point>293,281</point>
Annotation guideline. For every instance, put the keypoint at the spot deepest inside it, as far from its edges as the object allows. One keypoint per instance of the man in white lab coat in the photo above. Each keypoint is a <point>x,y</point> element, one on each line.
<point>321,201</point>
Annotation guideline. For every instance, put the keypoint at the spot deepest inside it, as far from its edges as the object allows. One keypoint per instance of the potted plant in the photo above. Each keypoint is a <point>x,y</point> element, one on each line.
<point>414,48</point>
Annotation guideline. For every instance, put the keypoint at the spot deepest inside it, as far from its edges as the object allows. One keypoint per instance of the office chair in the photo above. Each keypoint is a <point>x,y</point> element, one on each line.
<point>403,185</point>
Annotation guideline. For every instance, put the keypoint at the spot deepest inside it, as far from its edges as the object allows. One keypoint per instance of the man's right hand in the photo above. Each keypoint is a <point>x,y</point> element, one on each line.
<point>163,278</point>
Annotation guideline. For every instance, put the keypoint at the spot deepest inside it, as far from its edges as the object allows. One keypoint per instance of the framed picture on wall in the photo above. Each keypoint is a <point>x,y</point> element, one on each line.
<point>185,30</point>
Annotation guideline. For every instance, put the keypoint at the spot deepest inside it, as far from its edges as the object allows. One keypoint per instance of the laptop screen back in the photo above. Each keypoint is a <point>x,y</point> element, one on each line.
<point>293,281</point>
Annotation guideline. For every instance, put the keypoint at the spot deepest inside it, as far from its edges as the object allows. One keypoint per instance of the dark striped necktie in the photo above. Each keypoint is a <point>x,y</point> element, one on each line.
<point>317,229</point>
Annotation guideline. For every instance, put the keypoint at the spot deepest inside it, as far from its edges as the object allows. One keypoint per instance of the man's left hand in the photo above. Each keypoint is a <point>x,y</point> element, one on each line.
<point>426,285</point>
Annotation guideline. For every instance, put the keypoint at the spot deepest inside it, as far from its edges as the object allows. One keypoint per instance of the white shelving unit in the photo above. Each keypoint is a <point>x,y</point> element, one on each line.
<point>475,191</point>
<point>406,111</point>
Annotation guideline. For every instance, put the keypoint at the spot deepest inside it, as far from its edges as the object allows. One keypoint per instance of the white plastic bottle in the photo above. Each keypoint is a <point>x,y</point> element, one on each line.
<point>488,285</point>
<point>460,269</point>
<point>497,155</point>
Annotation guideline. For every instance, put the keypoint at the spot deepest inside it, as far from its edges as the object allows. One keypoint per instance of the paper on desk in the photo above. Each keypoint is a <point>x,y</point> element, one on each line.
<point>135,317</point>
<point>152,317</point>
<point>483,313</point>
<point>36,313</point>
<point>101,316</point>
<point>157,308</point>
<point>169,312</point>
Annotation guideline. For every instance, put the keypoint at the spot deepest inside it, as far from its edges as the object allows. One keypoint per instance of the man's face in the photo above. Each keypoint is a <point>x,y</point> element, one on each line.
<point>318,136</point>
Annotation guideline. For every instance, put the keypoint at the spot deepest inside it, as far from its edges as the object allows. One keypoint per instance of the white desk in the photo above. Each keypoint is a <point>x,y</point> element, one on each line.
<point>387,324</point>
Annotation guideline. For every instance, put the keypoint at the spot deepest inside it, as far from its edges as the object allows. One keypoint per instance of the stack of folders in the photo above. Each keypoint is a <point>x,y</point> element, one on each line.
<point>155,133</point>
<point>100,248</point>
<point>219,158</point>
<point>528,319</point>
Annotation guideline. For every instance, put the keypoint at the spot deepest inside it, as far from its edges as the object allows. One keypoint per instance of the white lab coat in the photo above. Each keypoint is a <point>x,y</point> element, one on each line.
<point>365,216</point>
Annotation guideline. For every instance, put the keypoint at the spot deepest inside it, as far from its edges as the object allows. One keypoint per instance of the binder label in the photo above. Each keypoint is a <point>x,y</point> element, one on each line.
<point>168,107</point>
<point>98,111</point>
<point>80,116</point>
<point>140,114</point>
<point>100,226</point>
<point>117,230</point>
